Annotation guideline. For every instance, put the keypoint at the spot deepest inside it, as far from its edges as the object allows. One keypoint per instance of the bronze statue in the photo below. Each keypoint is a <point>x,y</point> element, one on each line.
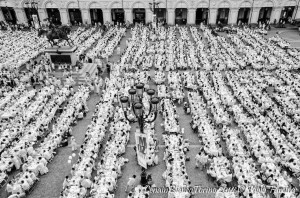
<point>60,33</point>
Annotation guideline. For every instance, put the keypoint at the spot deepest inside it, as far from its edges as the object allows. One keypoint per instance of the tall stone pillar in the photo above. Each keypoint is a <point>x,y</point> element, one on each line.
<point>21,16</point>
<point>1,15</point>
<point>128,15</point>
<point>191,16</point>
<point>86,16</point>
<point>213,16</point>
<point>297,13</point>
<point>171,16</point>
<point>64,15</point>
<point>255,15</point>
<point>276,12</point>
<point>42,14</point>
<point>106,15</point>
<point>233,14</point>
<point>149,15</point>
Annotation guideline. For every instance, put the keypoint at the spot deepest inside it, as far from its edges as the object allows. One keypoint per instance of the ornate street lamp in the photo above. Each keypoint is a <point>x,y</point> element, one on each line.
<point>135,103</point>
<point>251,13</point>
<point>153,7</point>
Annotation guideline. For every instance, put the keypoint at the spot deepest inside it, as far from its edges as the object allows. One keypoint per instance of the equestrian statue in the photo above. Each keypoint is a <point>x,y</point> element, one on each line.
<point>60,33</point>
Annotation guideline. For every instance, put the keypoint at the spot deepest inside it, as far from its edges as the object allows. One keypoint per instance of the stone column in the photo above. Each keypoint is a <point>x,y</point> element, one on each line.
<point>106,15</point>
<point>233,14</point>
<point>297,13</point>
<point>64,15</point>
<point>149,15</point>
<point>86,16</point>
<point>1,15</point>
<point>276,12</point>
<point>171,16</point>
<point>128,15</point>
<point>191,16</point>
<point>42,14</point>
<point>21,15</point>
<point>213,16</point>
<point>255,15</point>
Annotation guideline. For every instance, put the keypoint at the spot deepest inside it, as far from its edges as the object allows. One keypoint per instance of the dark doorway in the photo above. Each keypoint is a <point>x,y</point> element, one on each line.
<point>96,16</point>
<point>117,15</point>
<point>265,14</point>
<point>222,17</point>
<point>287,14</point>
<point>75,16</point>
<point>201,15</point>
<point>54,15</point>
<point>29,12</point>
<point>161,15</point>
<point>243,16</point>
<point>9,15</point>
<point>181,16</point>
<point>139,15</point>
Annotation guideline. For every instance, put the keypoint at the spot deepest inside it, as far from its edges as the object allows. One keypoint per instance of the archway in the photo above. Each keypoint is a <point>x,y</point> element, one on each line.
<point>74,14</point>
<point>53,13</point>
<point>287,14</point>
<point>31,13</point>
<point>265,14</point>
<point>161,14</point>
<point>96,16</point>
<point>139,15</point>
<point>243,15</point>
<point>96,13</point>
<point>201,15</point>
<point>223,15</point>
<point>181,16</point>
<point>117,15</point>
<point>9,15</point>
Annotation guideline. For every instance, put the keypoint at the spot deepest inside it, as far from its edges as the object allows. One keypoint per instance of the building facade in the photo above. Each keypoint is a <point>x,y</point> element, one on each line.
<point>169,11</point>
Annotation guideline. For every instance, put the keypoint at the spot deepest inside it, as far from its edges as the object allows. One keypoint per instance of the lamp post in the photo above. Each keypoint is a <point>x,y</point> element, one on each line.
<point>135,103</point>
<point>252,7</point>
<point>208,22</point>
<point>32,5</point>
<point>153,9</point>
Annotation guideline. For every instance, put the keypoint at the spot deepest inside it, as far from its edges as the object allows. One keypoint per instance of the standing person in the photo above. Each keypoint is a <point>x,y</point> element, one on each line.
<point>73,144</point>
<point>97,87</point>
<point>108,69</point>
<point>130,183</point>
<point>99,69</point>
<point>198,159</point>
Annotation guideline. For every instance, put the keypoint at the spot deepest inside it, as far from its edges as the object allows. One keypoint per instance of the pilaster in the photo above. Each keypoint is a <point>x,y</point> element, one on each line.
<point>128,15</point>
<point>1,15</point>
<point>191,16</point>
<point>276,12</point>
<point>21,16</point>
<point>213,16</point>
<point>64,15</point>
<point>171,16</point>
<point>255,15</point>
<point>149,15</point>
<point>42,14</point>
<point>233,14</point>
<point>86,16</point>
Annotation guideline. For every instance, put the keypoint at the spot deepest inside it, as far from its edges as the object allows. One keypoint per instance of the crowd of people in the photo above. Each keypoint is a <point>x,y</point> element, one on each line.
<point>241,91</point>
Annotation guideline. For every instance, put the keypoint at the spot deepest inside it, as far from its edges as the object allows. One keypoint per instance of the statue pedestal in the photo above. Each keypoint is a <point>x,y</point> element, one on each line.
<point>62,55</point>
